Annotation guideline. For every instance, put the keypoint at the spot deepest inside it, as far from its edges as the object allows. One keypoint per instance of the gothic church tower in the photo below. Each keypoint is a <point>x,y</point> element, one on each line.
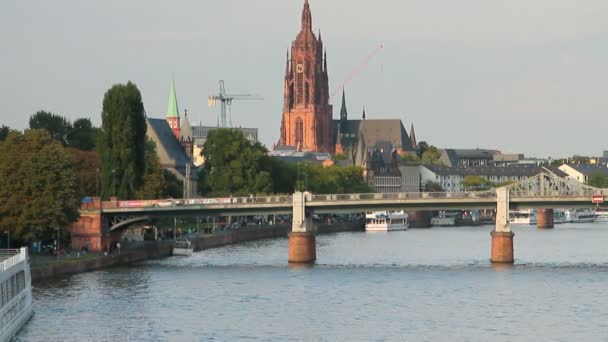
<point>307,114</point>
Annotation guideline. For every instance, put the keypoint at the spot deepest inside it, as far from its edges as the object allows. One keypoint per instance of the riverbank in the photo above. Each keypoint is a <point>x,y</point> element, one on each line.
<point>161,249</point>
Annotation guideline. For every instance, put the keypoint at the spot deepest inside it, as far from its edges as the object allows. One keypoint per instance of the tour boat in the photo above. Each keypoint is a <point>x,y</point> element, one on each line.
<point>384,221</point>
<point>580,216</point>
<point>559,216</point>
<point>183,247</point>
<point>15,292</point>
<point>527,216</point>
<point>601,215</point>
<point>444,219</point>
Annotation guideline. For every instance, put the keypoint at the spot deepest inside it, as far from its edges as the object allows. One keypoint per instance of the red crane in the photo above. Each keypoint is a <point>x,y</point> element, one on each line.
<point>356,70</point>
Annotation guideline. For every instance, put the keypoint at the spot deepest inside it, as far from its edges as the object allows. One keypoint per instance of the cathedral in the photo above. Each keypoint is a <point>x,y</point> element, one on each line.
<point>307,123</point>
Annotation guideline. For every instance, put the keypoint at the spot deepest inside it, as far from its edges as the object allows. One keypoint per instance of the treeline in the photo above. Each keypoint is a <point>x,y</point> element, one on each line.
<point>234,166</point>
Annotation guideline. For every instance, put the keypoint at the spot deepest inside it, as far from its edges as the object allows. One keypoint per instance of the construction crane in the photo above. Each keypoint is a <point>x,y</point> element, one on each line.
<point>356,70</point>
<point>226,101</point>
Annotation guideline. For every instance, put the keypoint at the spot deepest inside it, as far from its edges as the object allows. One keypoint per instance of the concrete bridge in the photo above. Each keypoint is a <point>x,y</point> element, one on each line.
<point>542,191</point>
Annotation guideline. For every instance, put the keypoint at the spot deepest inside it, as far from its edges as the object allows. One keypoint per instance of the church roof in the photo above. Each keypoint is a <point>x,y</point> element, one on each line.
<point>376,131</point>
<point>170,152</point>
<point>172,109</point>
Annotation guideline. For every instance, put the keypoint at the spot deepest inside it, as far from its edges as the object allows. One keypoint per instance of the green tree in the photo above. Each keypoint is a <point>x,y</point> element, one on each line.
<point>421,148</point>
<point>431,156</point>
<point>121,143</point>
<point>82,135</point>
<point>598,180</point>
<point>86,167</point>
<point>174,188</point>
<point>4,130</point>
<point>234,166</point>
<point>154,182</point>
<point>473,182</point>
<point>37,185</point>
<point>57,126</point>
<point>431,186</point>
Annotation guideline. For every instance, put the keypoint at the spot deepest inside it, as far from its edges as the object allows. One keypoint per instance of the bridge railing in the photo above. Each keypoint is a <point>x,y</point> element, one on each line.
<point>404,196</point>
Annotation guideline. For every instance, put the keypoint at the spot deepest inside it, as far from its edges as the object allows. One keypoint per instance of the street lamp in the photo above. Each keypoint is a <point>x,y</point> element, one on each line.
<point>113,182</point>
<point>57,229</point>
<point>8,239</point>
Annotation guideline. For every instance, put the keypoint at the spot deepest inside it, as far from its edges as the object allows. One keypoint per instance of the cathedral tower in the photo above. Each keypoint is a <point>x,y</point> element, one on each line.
<point>307,114</point>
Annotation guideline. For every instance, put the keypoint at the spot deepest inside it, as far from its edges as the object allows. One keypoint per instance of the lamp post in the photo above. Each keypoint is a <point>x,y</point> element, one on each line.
<point>113,182</point>
<point>57,229</point>
<point>8,239</point>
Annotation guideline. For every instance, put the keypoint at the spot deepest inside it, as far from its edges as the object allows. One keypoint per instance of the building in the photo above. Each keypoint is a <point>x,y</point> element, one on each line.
<point>307,114</point>
<point>307,123</point>
<point>451,178</point>
<point>581,172</point>
<point>467,157</point>
<point>200,134</point>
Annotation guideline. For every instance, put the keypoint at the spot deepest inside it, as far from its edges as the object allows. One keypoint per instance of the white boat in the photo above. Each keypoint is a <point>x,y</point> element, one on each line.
<point>559,216</point>
<point>527,216</point>
<point>601,215</point>
<point>15,292</point>
<point>580,216</point>
<point>444,220</point>
<point>385,221</point>
<point>183,248</point>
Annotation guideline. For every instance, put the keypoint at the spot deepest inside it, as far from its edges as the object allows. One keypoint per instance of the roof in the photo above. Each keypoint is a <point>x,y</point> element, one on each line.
<point>454,155</point>
<point>375,131</point>
<point>172,109</point>
<point>491,171</point>
<point>201,132</point>
<point>588,170</point>
<point>186,129</point>
<point>170,152</point>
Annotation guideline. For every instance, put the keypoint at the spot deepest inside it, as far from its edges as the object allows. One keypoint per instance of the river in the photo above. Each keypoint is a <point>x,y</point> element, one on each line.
<point>417,285</point>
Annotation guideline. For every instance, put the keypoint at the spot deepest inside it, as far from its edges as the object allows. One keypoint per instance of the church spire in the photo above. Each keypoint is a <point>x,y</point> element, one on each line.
<point>172,110</point>
<point>343,111</point>
<point>363,116</point>
<point>306,17</point>
<point>413,137</point>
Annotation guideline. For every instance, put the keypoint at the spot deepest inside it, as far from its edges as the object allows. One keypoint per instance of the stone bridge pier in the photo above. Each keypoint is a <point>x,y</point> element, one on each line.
<point>302,239</point>
<point>502,236</point>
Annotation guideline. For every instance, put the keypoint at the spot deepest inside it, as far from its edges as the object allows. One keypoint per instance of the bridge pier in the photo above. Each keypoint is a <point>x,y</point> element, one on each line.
<point>302,239</point>
<point>502,236</point>
<point>544,219</point>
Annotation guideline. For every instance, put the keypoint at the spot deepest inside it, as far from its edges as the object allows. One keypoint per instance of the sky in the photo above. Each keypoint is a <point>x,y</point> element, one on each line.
<point>519,76</point>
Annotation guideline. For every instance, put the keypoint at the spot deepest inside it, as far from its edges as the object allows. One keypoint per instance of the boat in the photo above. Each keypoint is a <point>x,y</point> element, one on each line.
<point>385,221</point>
<point>601,215</point>
<point>527,216</point>
<point>444,219</point>
<point>559,216</point>
<point>15,292</point>
<point>183,247</point>
<point>580,216</point>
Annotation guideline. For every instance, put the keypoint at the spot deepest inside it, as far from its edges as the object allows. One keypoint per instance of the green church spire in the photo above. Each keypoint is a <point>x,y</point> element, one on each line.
<point>172,109</point>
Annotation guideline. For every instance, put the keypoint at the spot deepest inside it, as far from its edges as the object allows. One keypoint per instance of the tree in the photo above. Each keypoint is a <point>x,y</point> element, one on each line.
<point>154,182</point>
<point>57,126</point>
<point>174,188</point>
<point>473,182</point>
<point>82,135</point>
<point>37,185</point>
<point>121,143</point>
<point>86,167</point>
<point>234,166</point>
<point>431,186</point>
<point>4,130</point>
<point>421,148</point>
<point>431,156</point>
<point>598,180</point>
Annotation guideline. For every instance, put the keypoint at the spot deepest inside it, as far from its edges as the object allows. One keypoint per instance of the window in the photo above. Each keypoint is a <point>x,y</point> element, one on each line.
<point>299,132</point>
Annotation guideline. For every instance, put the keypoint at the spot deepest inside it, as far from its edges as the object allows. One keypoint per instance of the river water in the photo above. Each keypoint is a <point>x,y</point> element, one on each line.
<point>417,285</point>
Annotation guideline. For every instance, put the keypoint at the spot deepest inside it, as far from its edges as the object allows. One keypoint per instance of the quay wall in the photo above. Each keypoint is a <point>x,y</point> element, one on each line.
<point>162,249</point>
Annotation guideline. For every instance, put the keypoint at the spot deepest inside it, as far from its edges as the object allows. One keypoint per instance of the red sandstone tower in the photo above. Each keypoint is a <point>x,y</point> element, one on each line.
<point>307,114</point>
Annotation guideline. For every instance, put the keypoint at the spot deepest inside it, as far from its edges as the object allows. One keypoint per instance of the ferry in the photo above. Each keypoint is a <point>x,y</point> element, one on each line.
<point>601,215</point>
<point>385,221</point>
<point>444,219</point>
<point>580,216</point>
<point>527,216</point>
<point>183,247</point>
<point>559,216</point>
<point>15,292</point>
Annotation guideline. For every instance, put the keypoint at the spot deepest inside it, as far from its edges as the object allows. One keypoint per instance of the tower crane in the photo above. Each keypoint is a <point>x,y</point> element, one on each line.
<point>226,101</point>
<point>356,70</point>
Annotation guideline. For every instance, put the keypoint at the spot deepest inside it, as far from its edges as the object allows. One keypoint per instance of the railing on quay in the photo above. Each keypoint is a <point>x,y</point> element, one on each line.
<point>13,257</point>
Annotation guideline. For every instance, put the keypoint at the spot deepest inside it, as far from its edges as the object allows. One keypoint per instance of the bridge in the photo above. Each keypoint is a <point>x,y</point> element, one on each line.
<point>541,191</point>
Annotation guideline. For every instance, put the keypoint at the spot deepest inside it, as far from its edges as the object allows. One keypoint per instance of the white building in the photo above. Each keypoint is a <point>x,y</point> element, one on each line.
<point>581,173</point>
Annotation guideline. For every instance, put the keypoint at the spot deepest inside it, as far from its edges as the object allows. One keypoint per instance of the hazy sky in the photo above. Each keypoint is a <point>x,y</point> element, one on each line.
<point>518,76</point>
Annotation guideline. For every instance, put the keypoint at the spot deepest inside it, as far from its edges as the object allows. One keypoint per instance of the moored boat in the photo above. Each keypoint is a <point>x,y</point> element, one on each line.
<point>601,215</point>
<point>580,216</point>
<point>526,216</point>
<point>15,292</point>
<point>183,247</point>
<point>384,221</point>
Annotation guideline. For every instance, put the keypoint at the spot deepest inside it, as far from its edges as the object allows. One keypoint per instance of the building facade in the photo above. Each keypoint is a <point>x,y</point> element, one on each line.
<point>307,114</point>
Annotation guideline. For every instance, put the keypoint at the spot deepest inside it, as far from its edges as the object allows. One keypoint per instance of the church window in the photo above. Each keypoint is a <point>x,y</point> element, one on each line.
<point>299,132</point>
